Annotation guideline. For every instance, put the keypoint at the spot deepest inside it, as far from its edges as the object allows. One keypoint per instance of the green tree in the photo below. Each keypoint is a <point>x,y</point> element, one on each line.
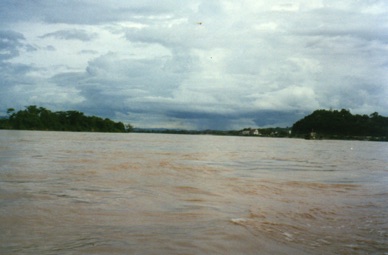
<point>10,112</point>
<point>39,118</point>
<point>342,123</point>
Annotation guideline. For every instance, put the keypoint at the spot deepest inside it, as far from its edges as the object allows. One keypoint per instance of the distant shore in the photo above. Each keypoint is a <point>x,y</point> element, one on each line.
<point>319,125</point>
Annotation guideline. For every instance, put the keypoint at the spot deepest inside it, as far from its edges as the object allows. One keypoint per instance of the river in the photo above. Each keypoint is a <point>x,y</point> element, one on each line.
<point>104,193</point>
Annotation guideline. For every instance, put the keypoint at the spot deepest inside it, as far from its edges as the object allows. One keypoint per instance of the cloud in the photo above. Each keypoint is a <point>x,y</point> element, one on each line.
<point>92,52</point>
<point>10,44</point>
<point>86,12</point>
<point>196,64</point>
<point>73,34</point>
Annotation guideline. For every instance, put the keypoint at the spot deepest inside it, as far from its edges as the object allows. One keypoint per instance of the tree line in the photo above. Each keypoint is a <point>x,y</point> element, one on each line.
<point>331,124</point>
<point>342,124</point>
<point>39,118</point>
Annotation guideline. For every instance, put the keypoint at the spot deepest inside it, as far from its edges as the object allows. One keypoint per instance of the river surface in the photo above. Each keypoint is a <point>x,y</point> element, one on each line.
<point>100,193</point>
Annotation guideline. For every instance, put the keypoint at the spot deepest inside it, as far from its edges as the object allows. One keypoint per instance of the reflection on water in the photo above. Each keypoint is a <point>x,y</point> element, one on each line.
<point>90,193</point>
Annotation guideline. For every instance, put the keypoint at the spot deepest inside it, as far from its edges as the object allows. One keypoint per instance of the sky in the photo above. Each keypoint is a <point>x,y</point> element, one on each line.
<point>195,64</point>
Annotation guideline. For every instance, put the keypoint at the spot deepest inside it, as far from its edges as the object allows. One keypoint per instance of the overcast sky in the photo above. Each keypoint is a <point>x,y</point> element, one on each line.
<point>195,64</point>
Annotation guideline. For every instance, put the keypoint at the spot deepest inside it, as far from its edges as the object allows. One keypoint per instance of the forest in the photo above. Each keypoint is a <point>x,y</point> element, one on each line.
<point>39,118</point>
<point>342,124</point>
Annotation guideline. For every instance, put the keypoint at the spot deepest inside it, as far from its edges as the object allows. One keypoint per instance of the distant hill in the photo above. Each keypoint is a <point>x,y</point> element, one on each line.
<point>39,118</point>
<point>342,124</point>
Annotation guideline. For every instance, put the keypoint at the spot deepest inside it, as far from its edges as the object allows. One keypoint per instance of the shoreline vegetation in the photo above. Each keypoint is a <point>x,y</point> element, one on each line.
<point>342,125</point>
<point>321,124</point>
<point>39,118</point>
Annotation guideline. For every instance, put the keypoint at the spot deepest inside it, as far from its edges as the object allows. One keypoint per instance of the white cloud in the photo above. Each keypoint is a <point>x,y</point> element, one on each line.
<point>290,98</point>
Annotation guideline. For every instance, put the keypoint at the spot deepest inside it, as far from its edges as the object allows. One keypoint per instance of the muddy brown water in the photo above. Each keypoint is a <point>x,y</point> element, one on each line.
<point>96,193</point>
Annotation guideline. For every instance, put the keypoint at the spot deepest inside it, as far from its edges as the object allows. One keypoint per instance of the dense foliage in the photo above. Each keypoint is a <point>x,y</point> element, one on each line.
<point>39,118</point>
<point>342,123</point>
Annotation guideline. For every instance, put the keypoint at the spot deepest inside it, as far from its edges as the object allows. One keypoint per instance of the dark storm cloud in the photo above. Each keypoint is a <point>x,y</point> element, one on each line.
<point>213,120</point>
<point>15,84</point>
<point>12,75</point>
<point>277,118</point>
<point>10,44</point>
<point>203,120</point>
